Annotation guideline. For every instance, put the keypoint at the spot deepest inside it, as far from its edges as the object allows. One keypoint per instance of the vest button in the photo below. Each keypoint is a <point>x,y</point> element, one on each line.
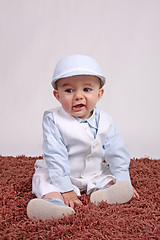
<point>95,145</point>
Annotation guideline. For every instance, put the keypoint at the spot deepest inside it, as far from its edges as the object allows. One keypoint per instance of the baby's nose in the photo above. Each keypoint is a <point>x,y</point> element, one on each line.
<point>78,95</point>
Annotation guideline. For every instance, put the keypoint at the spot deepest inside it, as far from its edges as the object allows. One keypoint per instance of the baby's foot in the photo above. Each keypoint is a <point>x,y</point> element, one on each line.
<point>40,209</point>
<point>120,192</point>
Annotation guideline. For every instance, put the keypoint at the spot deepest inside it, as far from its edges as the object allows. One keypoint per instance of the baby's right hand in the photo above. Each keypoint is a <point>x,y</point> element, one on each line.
<point>70,199</point>
<point>135,194</point>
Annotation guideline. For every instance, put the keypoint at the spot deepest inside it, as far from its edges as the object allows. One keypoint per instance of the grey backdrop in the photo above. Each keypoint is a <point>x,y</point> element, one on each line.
<point>124,37</point>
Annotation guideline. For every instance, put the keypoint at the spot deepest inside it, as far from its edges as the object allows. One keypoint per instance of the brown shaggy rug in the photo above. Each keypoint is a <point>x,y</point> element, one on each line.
<point>138,219</point>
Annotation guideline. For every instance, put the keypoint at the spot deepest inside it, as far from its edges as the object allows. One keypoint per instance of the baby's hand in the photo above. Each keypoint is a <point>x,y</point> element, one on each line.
<point>135,194</point>
<point>70,199</point>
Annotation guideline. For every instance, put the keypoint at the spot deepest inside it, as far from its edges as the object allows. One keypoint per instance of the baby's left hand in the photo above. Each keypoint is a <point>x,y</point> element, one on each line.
<point>135,194</point>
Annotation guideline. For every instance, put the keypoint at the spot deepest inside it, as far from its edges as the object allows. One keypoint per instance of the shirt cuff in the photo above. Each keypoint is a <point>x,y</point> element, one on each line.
<point>122,176</point>
<point>63,184</point>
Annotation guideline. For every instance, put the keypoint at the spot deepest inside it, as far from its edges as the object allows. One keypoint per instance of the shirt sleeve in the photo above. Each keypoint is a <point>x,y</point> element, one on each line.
<point>55,154</point>
<point>116,155</point>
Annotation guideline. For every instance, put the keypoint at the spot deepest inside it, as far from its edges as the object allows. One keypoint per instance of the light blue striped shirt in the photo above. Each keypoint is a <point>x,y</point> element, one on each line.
<point>56,155</point>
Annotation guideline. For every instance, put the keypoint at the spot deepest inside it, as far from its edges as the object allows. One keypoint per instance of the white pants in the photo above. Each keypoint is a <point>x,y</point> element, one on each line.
<point>41,182</point>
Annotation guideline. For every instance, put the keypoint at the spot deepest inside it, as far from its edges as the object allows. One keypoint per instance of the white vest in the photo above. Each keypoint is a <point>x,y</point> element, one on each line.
<point>84,152</point>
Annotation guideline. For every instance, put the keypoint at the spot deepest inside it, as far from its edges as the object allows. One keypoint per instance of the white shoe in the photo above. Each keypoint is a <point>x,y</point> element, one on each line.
<point>40,209</point>
<point>120,192</point>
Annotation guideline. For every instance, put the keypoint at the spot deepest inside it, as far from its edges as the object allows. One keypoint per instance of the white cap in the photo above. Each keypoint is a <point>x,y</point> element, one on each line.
<point>77,65</point>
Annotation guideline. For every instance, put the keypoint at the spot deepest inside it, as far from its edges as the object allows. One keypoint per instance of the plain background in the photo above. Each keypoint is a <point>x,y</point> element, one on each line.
<point>122,35</point>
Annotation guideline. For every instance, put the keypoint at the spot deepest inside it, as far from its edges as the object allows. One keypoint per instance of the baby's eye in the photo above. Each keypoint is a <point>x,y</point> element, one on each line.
<point>87,89</point>
<point>69,90</point>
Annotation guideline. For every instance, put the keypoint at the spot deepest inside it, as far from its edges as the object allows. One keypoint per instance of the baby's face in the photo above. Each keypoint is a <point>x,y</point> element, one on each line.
<point>78,95</point>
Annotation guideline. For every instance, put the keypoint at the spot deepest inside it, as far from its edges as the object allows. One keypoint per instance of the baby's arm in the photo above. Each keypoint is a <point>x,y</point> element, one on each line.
<point>56,155</point>
<point>117,157</point>
<point>70,199</point>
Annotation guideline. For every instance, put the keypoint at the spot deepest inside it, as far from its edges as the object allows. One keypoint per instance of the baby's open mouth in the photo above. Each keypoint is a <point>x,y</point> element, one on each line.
<point>78,106</point>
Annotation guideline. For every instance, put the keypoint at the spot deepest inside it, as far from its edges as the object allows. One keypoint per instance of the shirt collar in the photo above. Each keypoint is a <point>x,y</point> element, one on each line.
<point>92,121</point>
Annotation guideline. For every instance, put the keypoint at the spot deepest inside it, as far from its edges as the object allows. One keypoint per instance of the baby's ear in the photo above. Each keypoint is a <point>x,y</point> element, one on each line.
<point>100,94</point>
<point>56,94</point>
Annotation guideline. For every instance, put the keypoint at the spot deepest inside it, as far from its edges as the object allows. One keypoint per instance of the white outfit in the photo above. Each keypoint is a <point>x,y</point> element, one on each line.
<point>85,155</point>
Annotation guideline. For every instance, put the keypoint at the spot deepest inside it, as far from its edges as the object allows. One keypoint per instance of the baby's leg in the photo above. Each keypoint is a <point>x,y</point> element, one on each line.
<point>109,184</point>
<point>49,203</point>
<point>120,192</point>
<point>53,195</point>
<point>51,206</point>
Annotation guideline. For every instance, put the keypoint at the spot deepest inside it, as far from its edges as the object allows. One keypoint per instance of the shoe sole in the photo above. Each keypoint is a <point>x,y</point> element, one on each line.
<point>118,193</point>
<point>40,209</point>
